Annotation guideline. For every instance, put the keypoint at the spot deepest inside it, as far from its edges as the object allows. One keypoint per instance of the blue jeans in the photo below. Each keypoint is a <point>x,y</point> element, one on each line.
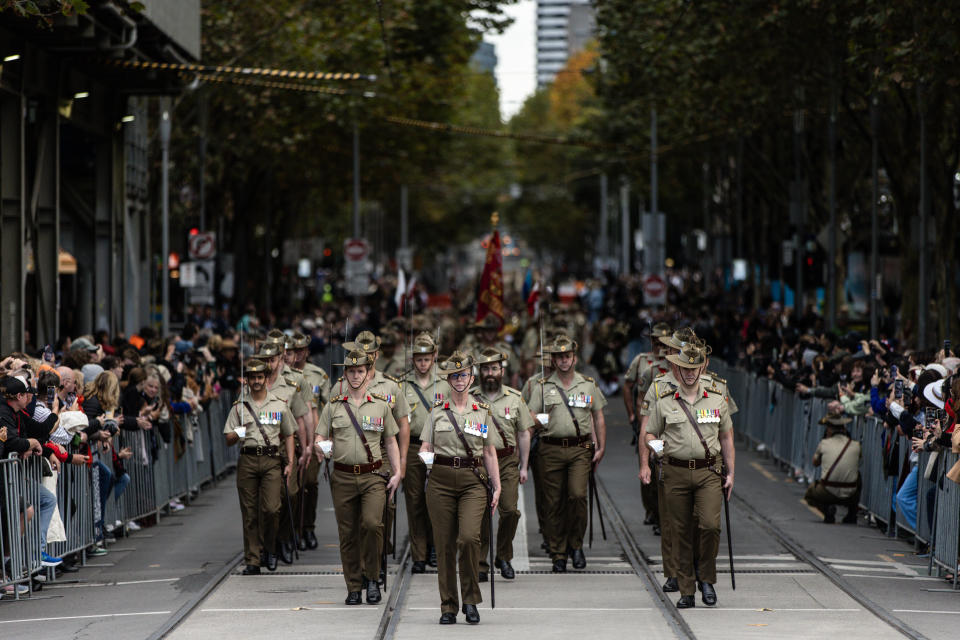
<point>47,503</point>
<point>907,500</point>
<point>119,486</point>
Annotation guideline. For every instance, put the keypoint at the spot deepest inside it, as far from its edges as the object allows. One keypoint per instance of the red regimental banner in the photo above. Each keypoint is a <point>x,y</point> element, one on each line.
<point>490,300</point>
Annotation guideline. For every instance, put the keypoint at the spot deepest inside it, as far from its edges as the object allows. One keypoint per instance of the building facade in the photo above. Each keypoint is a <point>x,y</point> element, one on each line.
<point>563,28</point>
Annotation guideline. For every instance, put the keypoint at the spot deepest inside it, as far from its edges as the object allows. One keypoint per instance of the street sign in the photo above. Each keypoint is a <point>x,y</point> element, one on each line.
<point>654,289</point>
<point>356,267</point>
<point>201,273</point>
<point>202,246</point>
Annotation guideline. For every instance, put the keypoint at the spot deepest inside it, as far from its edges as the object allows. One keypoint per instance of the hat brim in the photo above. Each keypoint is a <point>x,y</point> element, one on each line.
<point>354,346</point>
<point>930,393</point>
<point>668,341</point>
<point>554,351</point>
<point>684,364</point>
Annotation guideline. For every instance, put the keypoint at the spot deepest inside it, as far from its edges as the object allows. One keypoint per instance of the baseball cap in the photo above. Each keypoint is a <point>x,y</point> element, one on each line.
<point>83,343</point>
<point>17,384</point>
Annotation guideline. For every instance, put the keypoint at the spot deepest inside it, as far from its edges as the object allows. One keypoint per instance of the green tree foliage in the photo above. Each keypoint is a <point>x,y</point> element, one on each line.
<point>723,73</point>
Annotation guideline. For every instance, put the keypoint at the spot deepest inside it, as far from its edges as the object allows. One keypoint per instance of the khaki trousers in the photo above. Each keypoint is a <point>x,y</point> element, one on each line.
<point>290,518</point>
<point>259,481</point>
<point>509,514</point>
<point>536,471</point>
<point>457,502</point>
<point>310,495</point>
<point>415,495</point>
<point>358,502</point>
<point>566,475</point>
<point>666,524</point>
<point>694,500</point>
<point>819,497</point>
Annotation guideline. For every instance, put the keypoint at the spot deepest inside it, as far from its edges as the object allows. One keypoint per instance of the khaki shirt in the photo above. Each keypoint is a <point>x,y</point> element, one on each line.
<point>509,410</point>
<point>287,389</point>
<point>714,380</point>
<point>530,386</point>
<point>653,391</point>
<point>432,393</point>
<point>656,367</point>
<point>474,424</point>
<point>274,415</point>
<point>296,379</point>
<point>847,470</point>
<point>669,422</point>
<point>389,387</point>
<point>635,369</point>
<point>583,397</point>
<point>318,382</point>
<point>375,420</point>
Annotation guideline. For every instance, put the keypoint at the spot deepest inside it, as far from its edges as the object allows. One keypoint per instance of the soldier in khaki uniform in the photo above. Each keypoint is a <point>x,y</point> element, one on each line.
<point>512,419</point>
<point>392,361</point>
<point>486,334</point>
<point>464,445</point>
<point>694,422</point>
<point>263,425</point>
<point>286,387</point>
<point>357,422</point>
<point>572,443</point>
<point>839,456</point>
<point>317,382</point>
<point>422,388</point>
<point>388,387</point>
<point>531,386</point>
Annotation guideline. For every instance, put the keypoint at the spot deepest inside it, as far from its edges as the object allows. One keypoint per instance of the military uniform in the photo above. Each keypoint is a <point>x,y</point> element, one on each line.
<point>566,456</point>
<point>457,492</point>
<point>510,416</point>
<point>260,469</point>
<point>531,386</point>
<point>839,456</point>
<point>290,387</point>
<point>357,482</point>
<point>692,471</point>
<point>317,382</point>
<point>421,400</point>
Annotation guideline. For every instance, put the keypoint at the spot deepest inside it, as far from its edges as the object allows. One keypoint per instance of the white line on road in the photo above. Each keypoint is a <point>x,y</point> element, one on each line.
<point>630,609</point>
<point>851,567</point>
<point>775,610</point>
<point>107,584</point>
<point>101,615</point>
<point>292,609</point>
<point>521,554</point>
<point>949,613</point>
<point>867,575</point>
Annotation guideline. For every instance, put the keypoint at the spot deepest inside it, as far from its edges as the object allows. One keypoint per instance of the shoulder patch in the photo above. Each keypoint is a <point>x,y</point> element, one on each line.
<point>716,377</point>
<point>483,405</point>
<point>713,389</point>
<point>659,375</point>
<point>666,391</point>
<point>379,396</point>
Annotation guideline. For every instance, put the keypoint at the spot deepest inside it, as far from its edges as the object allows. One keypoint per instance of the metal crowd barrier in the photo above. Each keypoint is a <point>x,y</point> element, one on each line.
<point>157,476</point>
<point>786,426</point>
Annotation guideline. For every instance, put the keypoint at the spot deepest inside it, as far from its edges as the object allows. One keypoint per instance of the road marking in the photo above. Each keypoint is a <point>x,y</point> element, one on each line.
<point>88,617</point>
<point>873,563</point>
<point>950,613</point>
<point>293,609</point>
<point>775,610</point>
<point>867,575</point>
<point>851,567</point>
<point>606,609</point>
<point>521,553</point>
<point>815,512</point>
<point>765,473</point>
<point>784,557</point>
<point>106,584</point>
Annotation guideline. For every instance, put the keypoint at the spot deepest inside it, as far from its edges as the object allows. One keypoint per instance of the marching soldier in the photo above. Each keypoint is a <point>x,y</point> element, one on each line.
<point>572,442</point>
<point>840,455</point>
<point>530,387</point>
<point>512,419</point>
<point>389,387</point>
<point>318,383</point>
<point>356,423</point>
<point>263,425</point>
<point>635,384</point>
<point>392,361</point>
<point>693,420</point>
<point>486,334</point>
<point>463,446</point>
<point>421,388</point>
<point>287,388</point>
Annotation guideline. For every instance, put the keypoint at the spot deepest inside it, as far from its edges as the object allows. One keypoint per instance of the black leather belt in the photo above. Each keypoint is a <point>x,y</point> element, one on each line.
<point>457,462</point>
<point>272,450</point>
<point>697,463</point>
<point>415,440</point>
<point>506,451</point>
<point>567,442</point>
<point>357,469</point>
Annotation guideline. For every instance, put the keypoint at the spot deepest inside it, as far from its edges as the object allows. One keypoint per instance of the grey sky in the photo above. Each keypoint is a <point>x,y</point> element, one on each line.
<point>516,57</point>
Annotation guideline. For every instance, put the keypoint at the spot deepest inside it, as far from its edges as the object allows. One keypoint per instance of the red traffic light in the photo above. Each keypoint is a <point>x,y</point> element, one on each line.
<point>809,261</point>
<point>194,231</point>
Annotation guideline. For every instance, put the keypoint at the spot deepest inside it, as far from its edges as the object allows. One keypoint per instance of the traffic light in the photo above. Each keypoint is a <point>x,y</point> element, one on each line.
<point>814,269</point>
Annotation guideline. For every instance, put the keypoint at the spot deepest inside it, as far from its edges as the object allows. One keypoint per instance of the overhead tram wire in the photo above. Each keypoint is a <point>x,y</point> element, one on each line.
<point>291,74</point>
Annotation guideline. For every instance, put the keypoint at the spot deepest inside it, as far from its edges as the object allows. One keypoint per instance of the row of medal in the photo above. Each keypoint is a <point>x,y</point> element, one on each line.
<point>475,428</point>
<point>369,423</point>
<point>270,417</point>
<point>708,415</point>
<point>580,400</point>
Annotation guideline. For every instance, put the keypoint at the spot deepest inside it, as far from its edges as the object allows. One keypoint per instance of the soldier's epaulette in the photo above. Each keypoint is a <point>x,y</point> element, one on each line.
<point>379,396</point>
<point>340,398</point>
<point>716,378</point>
<point>714,389</point>
<point>483,405</point>
<point>542,380</point>
<point>660,375</point>
<point>589,379</point>
<point>666,391</point>
<point>391,378</point>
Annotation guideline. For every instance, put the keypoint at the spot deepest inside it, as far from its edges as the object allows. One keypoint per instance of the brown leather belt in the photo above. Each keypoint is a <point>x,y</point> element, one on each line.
<point>357,469</point>
<point>260,451</point>
<point>567,442</point>
<point>506,451</point>
<point>697,463</point>
<point>457,462</point>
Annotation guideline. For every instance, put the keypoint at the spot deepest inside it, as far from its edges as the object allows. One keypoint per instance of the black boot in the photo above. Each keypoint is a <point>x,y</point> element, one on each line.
<point>419,566</point>
<point>506,569</point>
<point>432,561</point>
<point>470,610</point>
<point>353,598</point>
<point>686,602</point>
<point>270,561</point>
<point>579,560</point>
<point>448,618</point>
<point>373,592</point>
<point>482,576</point>
<point>707,593</point>
<point>830,514</point>
<point>302,543</point>
<point>311,539</point>
<point>251,570</point>
<point>671,585</point>
<point>285,551</point>
<point>560,565</point>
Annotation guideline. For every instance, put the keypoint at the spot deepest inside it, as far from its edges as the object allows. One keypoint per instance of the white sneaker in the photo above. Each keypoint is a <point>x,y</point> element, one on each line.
<point>133,526</point>
<point>176,505</point>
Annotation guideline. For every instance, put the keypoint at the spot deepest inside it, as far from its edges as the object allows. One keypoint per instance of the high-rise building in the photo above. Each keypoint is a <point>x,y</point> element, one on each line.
<point>484,58</point>
<point>563,28</point>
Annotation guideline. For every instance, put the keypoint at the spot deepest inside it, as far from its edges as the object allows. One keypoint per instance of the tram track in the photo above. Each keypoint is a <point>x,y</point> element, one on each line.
<point>396,596</point>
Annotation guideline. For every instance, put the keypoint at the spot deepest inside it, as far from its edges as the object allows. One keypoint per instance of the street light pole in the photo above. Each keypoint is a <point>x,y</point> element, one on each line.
<point>165,208</point>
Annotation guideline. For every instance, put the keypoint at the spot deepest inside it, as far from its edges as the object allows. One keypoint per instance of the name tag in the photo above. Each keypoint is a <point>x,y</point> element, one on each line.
<point>475,429</point>
<point>369,423</point>
<point>708,415</point>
